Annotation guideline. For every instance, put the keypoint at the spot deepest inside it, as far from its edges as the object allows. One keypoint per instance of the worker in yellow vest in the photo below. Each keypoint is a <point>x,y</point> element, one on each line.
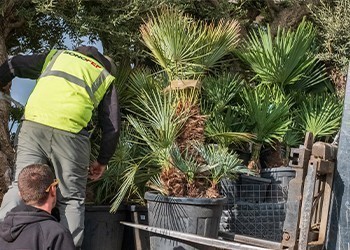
<point>70,84</point>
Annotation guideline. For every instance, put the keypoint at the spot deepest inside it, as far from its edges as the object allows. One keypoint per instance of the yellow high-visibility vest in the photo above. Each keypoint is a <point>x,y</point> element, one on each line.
<point>69,87</point>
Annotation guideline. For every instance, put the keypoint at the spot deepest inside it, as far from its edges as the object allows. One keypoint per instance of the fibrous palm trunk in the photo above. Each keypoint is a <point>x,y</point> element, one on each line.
<point>193,129</point>
<point>174,180</point>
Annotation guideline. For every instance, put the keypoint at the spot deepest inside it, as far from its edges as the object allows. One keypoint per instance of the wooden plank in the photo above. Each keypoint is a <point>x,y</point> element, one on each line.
<point>325,207</point>
<point>306,208</point>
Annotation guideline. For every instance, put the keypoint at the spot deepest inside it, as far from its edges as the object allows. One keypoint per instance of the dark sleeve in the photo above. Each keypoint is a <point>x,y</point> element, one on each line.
<point>23,66</point>
<point>109,120</point>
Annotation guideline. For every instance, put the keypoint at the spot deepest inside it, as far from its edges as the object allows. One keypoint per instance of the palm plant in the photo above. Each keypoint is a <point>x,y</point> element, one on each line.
<point>221,164</point>
<point>227,128</point>
<point>320,114</point>
<point>224,125</point>
<point>287,60</point>
<point>186,49</point>
<point>127,154</point>
<point>267,119</point>
<point>159,122</point>
<point>156,124</point>
<point>201,179</point>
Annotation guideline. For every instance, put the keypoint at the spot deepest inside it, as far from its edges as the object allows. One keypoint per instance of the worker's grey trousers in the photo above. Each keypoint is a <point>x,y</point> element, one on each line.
<point>69,156</point>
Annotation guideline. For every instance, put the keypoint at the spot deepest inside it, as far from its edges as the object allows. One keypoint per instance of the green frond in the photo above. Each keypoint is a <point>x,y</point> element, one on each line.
<point>227,128</point>
<point>186,162</point>
<point>219,91</point>
<point>320,115</point>
<point>285,60</point>
<point>157,122</point>
<point>267,120</point>
<point>186,48</point>
<point>226,164</point>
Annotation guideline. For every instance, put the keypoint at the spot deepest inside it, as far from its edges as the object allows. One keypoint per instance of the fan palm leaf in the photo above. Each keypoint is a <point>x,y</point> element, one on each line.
<point>219,91</point>
<point>285,60</point>
<point>268,120</point>
<point>227,164</point>
<point>186,48</point>
<point>133,179</point>
<point>227,128</point>
<point>320,115</point>
<point>158,123</point>
<point>187,164</point>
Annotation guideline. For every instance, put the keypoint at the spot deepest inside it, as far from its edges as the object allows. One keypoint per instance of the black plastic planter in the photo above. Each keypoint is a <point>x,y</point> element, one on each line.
<point>139,215</point>
<point>248,188</point>
<point>199,216</point>
<point>103,229</point>
<point>280,177</point>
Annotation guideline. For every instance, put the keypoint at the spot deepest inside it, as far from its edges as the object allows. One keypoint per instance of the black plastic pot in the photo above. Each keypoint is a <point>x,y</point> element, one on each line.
<point>252,188</point>
<point>280,178</point>
<point>199,216</point>
<point>139,215</point>
<point>103,229</point>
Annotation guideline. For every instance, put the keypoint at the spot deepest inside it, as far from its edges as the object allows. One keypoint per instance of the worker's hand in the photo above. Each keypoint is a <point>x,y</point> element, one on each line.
<point>96,170</point>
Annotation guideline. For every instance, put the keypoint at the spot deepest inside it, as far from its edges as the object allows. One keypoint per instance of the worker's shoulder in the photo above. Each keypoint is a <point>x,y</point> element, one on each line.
<point>53,226</point>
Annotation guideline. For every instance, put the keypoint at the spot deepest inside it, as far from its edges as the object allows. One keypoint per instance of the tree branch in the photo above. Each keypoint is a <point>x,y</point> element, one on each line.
<point>17,24</point>
<point>11,26</point>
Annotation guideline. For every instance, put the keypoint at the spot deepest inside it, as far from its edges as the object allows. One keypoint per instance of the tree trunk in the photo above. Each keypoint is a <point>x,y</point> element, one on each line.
<point>6,149</point>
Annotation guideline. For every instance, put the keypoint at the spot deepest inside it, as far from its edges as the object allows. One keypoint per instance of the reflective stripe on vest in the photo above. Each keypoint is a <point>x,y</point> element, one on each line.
<point>68,89</point>
<point>100,79</point>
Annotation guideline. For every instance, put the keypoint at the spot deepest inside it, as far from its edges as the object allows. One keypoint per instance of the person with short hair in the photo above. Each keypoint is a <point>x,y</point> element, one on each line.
<point>31,225</point>
<point>70,85</point>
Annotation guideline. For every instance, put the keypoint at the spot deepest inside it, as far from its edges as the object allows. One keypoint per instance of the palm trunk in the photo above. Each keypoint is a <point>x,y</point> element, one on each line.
<point>254,163</point>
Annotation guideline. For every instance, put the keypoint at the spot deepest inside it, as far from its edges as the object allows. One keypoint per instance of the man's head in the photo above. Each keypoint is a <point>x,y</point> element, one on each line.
<point>37,185</point>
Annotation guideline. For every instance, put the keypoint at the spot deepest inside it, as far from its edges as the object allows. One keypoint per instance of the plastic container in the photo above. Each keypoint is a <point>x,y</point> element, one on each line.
<point>103,229</point>
<point>280,178</point>
<point>139,215</point>
<point>252,189</point>
<point>199,216</point>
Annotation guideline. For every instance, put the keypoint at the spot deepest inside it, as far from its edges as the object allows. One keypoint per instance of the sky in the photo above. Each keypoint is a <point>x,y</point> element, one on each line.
<point>22,88</point>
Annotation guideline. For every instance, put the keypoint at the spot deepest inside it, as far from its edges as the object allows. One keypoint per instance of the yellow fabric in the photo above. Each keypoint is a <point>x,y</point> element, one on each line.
<point>60,98</point>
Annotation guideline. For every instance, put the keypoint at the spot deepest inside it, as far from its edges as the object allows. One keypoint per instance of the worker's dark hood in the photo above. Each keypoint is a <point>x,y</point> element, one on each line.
<point>92,52</point>
<point>19,218</point>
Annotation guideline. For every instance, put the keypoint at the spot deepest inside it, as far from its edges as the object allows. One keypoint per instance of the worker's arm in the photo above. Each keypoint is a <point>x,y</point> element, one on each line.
<point>109,120</point>
<point>23,66</point>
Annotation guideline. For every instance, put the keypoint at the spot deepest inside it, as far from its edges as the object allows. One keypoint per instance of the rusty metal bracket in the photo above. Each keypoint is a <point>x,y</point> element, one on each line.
<point>317,196</point>
<point>299,161</point>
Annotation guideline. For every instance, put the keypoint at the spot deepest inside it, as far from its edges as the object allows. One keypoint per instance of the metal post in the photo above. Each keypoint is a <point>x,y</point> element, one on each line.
<point>300,159</point>
<point>339,223</point>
